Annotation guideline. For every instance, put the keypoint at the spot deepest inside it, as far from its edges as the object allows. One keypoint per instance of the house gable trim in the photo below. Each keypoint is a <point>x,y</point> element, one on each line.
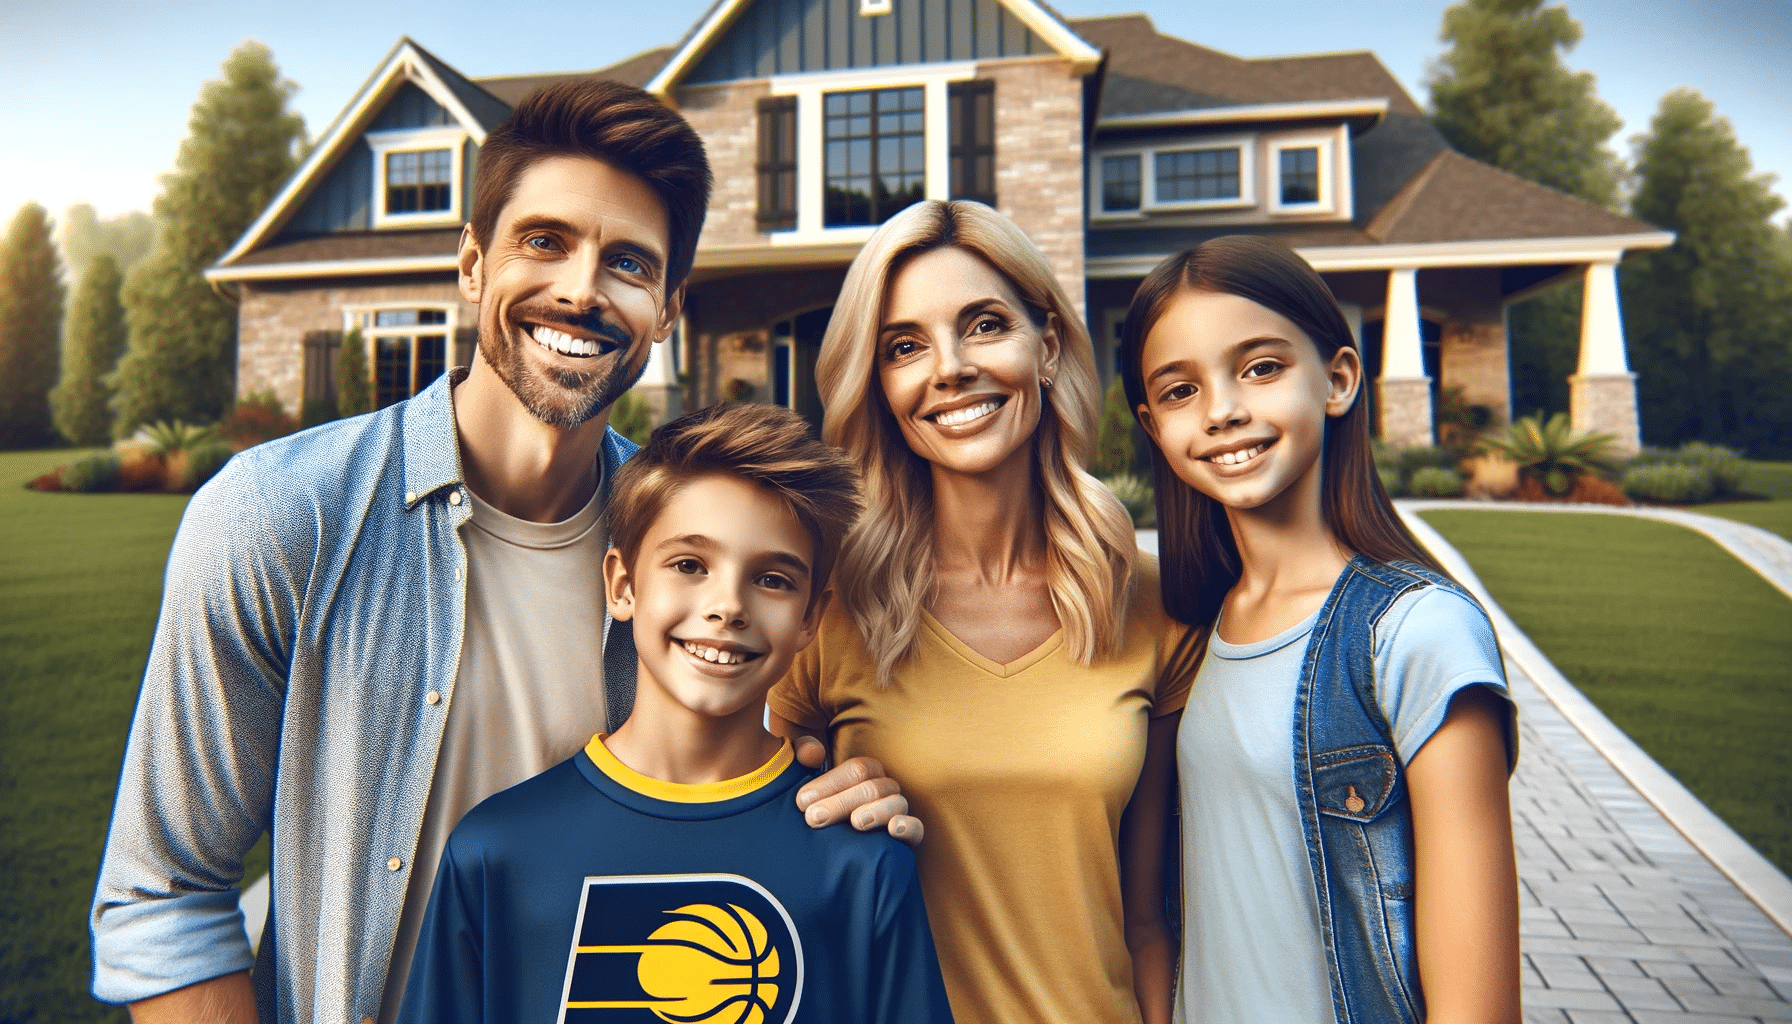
<point>1429,255</point>
<point>406,62</point>
<point>1374,109</point>
<point>334,268</point>
<point>1055,33</point>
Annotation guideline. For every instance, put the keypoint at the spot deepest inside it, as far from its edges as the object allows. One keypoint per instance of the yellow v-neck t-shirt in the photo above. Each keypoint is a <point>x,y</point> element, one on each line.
<point>1020,773</point>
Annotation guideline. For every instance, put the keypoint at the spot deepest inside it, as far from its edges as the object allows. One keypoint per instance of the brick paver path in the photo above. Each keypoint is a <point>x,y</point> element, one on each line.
<point>1621,919</point>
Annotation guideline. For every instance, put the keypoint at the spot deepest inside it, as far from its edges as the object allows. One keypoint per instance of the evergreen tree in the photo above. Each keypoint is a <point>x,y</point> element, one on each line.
<point>1115,449</point>
<point>81,235</point>
<point>354,384</point>
<point>31,297</point>
<point>94,339</point>
<point>1502,95</point>
<point>1709,318</point>
<point>240,147</point>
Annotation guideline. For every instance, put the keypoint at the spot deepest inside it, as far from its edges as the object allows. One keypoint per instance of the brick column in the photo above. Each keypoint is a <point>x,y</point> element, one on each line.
<point>1602,392</point>
<point>1405,390</point>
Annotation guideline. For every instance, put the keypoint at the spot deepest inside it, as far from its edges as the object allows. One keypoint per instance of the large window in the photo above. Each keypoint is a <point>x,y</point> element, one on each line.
<point>972,154</point>
<point>1300,175</point>
<point>777,163</point>
<point>1195,175</point>
<point>419,181</point>
<point>1120,182</point>
<point>1304,170</point>
<point>875,155</point>
<point>408,347</point>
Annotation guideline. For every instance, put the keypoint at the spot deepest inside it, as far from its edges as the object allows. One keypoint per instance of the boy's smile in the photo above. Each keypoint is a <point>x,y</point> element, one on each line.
<point>719,597</point>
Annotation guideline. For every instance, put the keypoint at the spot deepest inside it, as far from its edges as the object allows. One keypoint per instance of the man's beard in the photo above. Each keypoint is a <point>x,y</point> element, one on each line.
<point>566,398</point>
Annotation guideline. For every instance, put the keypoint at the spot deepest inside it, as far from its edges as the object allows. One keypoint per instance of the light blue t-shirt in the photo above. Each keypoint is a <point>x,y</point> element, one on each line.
<point>1251,948</point>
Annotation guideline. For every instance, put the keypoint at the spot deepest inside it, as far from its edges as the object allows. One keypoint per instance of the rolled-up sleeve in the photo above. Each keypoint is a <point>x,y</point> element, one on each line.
<point>197,786</point>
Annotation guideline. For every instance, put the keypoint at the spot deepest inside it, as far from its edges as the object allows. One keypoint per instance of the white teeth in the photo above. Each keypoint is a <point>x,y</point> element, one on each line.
<point>566,344</point>
<point>713,654</point>
<point>1235,458</point>
<point>960,416</point>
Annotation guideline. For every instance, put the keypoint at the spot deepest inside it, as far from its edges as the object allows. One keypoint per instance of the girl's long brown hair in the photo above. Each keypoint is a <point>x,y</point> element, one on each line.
<point>1197,557</point>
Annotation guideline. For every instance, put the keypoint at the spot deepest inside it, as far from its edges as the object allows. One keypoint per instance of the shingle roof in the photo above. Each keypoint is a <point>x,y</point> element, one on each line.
<point>1196,75</point>
<point>487,109</point>
<point>355,245</point>
<point>637,71</point>
<point>1456,198</point>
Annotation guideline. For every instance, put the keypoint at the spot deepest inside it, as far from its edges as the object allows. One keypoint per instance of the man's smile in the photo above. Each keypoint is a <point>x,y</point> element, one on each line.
<point>555,340</point>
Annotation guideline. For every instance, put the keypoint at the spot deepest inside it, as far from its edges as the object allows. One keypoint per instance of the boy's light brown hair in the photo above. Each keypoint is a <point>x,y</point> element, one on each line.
<point>767,445</point>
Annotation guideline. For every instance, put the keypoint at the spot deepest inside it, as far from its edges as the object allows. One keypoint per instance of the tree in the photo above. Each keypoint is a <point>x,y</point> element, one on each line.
<point>1116,450</point>
<point>354,385</point>
<point>1709,318</point>
<point>240,146</point>
<point>128,238</point>
<point>1502,95</point>
<point>31,297</point>
<point>94,339</point>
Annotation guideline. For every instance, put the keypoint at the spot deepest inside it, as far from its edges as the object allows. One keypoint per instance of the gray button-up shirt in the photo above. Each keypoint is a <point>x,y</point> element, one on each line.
<point>303,665</point>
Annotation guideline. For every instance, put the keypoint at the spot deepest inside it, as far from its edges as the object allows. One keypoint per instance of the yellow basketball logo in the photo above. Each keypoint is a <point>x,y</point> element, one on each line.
<point>709,962</point>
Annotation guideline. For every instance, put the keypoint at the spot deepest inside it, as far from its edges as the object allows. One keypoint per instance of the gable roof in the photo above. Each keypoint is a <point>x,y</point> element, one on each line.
<point>1035,16</point>
<point>636,71</point>
<point>1457,197</point>
<point>475,109</point>
<point>1149,71</point>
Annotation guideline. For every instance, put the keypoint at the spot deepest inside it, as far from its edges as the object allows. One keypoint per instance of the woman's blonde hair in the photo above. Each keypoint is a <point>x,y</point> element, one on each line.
<point>885,575</point>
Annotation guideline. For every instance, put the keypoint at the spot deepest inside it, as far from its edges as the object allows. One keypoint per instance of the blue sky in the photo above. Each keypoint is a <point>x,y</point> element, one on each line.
<point>95,95</point>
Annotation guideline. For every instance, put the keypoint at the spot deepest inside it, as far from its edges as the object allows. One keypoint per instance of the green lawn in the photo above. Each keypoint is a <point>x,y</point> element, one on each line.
<point>1773,479</point>
<point>1685,648</point>
<point>80,583</point>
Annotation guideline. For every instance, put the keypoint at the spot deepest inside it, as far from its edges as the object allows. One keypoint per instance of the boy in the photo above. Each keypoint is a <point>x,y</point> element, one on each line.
<point>664,873</point>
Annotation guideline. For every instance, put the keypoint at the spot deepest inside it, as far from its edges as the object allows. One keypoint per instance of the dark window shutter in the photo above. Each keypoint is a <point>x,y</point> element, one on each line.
<point>777,163</point>
<point>320,364</point>
<point>972,131</point>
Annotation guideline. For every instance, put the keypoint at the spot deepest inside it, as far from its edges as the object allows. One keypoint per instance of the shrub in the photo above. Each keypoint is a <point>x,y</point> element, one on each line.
<point>1548,454</point>
<point>1724,465</point>
<point>1384,459</point>
<point>632,417</point>
<point>1435,482</point>
<point>317,410</point>
<point>1671,484</point>
<point>185,470</point>
<point>1424,456</point>
<point>94,473</point>
<point>354,382</point>
<point>257,417</point>
<point>140,468</point>
<point>1137,496</point>
<point>1390,480</point>
<point>166,438</point>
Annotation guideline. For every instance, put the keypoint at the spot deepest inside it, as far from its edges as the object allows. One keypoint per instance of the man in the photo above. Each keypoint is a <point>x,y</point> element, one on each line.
<point>369,627</point>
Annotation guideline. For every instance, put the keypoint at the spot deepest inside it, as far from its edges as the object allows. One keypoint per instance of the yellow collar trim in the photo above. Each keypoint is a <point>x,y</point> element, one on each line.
<point>686,793</point>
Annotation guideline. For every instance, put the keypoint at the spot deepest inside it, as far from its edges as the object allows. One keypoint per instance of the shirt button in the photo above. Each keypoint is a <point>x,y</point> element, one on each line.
<point>410,496</point>
<point>366,1020</point>
<point>394,864</point>
<point>454,497</point>
<point>457,574</point>
<point>434,697</point>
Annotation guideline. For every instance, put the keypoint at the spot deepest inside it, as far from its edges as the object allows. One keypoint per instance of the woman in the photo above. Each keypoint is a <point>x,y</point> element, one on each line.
<point>991,640</point>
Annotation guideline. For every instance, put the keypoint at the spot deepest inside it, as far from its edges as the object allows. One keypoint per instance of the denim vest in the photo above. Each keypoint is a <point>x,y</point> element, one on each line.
<point>1355,815</point>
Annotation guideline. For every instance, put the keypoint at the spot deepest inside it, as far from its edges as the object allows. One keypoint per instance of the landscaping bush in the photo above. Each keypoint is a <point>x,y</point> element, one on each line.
<point>1390,480</point>
<point>1424,456</point>
<point>1551,458</point>
<point>258,417</point>
<point>1670,484</point>
<point>189,468</point>
<point>94,473</point>
<point>1724,465</point>
<point>317,410</point>
<point>140,468</point>
<point>1136,494</point>
<point>1435,482</point>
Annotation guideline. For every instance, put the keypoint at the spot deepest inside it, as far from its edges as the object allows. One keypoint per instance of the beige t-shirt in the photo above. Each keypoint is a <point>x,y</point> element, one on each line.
<point>1020,773</point>
<point>529,692</point>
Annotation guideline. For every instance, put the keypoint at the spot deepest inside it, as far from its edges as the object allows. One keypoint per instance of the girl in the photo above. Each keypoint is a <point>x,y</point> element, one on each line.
<point>986,642</point>
<point>1347,844</point>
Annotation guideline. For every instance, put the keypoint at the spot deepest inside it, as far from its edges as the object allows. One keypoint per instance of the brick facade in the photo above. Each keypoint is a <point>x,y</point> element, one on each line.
<point>1039,160</point>
<point>1606,404</point>
<point>727,117</point>
<point>274,318</point>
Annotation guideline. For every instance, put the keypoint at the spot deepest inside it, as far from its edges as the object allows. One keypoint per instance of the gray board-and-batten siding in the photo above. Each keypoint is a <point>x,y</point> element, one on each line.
<point>781,37</point>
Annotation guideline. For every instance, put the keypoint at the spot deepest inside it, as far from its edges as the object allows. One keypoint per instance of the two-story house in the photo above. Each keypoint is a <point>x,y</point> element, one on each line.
<point>1110,144</point>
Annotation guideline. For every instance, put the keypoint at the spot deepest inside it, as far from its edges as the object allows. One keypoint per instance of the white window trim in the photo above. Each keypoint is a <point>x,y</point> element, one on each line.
<point>811,150</point>
<point>1148,201</point>
<point>406,140</point>
<point>872,8</point>
<point>1329,145</point>
<point>362,317</point>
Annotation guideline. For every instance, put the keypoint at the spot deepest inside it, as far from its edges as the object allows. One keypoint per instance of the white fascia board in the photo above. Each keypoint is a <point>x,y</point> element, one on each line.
<point>334,268</point>
<point>1083,57</point>
<point>776,255</point>
<point>1430,255</point>
<point>1314,109</point>
<point>403,61</point>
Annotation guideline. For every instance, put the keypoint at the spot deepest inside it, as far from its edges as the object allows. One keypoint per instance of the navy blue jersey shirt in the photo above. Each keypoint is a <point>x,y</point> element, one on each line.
<point>593,895</point>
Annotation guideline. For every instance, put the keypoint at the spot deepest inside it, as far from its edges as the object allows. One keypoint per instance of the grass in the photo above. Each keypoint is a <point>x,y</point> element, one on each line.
<point>1773,479</point>
<point>1684,647</point>
<point>80,585</point>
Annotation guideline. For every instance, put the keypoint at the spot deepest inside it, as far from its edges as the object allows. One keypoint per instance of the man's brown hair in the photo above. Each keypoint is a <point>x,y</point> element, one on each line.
<point>609,121</point>
<point>766,445</point>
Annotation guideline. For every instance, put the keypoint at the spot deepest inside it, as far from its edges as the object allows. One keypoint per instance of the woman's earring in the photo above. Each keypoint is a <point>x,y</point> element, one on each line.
<point>1046,381</point>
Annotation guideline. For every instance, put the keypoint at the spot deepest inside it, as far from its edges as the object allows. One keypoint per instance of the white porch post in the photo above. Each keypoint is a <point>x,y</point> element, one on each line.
<point>1405,390</point>
<point>659,385</point>
<point>1602,392</point>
